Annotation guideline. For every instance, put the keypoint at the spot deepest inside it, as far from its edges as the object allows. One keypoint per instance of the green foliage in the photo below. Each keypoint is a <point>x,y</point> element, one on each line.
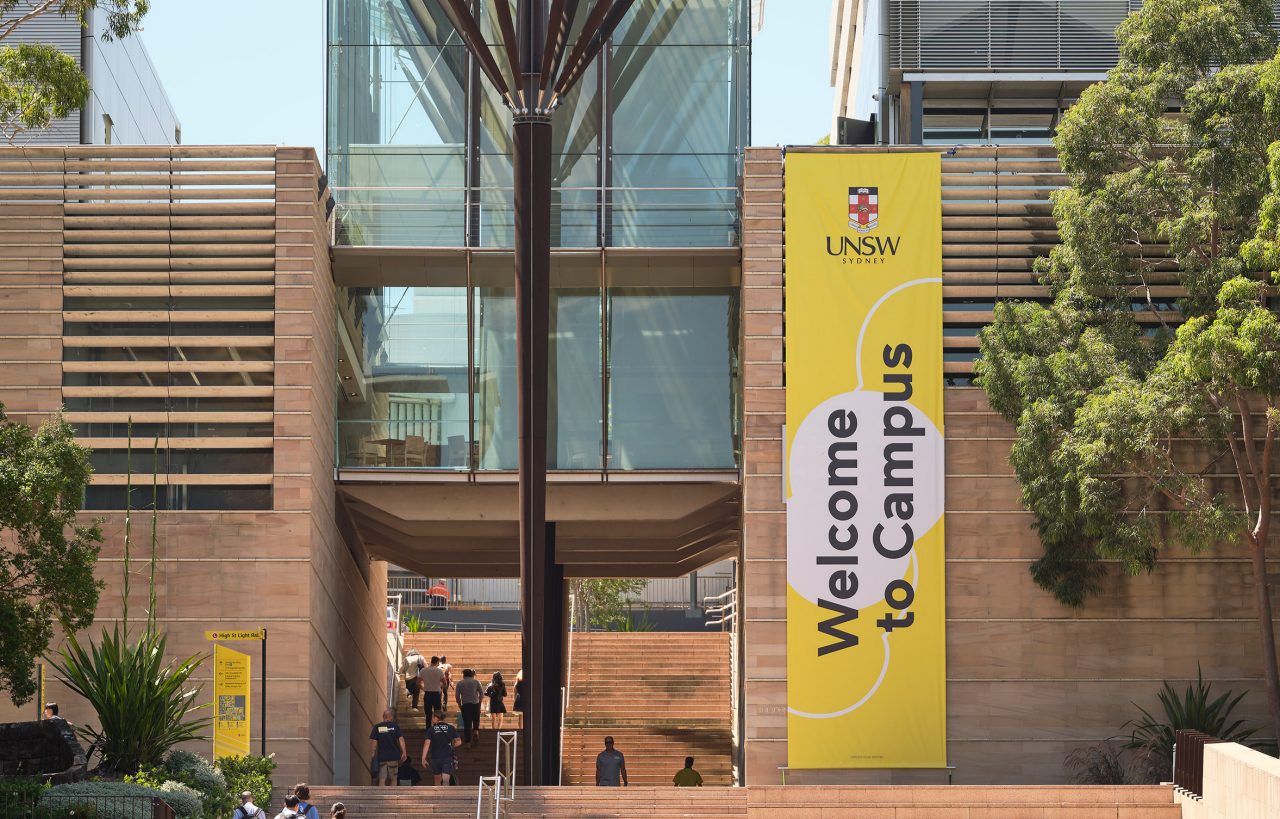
<point>415,623</point>
<point>46,557</point>
<point>1194,709</point>
<point>38,83</point>
<point>112,800</point>
<point>249,773</point>
<point>1093,397</point>
<point>196,774</point>
<point>1122,429</point>
<point>604,603</point>
<point>143,702</point>
<point>630,624</point>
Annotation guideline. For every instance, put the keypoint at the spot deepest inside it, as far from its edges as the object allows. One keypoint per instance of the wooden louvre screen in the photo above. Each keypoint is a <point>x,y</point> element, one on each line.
<point>997,219</point>
<point>168,297</point>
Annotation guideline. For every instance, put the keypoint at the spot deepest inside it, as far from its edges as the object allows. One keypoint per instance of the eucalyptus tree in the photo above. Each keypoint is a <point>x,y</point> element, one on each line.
<point>47,555</point>
<point>1141,427</point>
<point>38,82</point>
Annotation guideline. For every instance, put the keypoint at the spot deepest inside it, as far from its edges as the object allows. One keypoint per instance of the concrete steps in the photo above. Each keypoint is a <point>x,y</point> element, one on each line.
<point>963,802</point>
<point>661,695</point>
<point>793,802</point>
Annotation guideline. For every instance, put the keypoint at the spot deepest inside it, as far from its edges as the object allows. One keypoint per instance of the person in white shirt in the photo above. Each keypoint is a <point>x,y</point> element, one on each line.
<point>247,809</point>
<point>413,666</point>
<point>432,678</point>
<point>290,808</point>
<point>447,668</point>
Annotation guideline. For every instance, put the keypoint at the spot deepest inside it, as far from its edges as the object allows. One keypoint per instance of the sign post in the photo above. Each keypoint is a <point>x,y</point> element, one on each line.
<point>235,685</point>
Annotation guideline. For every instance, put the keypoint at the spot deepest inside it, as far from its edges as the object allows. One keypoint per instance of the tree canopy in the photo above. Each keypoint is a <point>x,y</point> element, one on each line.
<point>1146,393</point>
<point>39,83</point>
<point>46,557</point>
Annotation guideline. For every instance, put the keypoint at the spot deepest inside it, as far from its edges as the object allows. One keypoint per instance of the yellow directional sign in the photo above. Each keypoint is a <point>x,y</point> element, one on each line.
<point>257,634</point>
<point>231,702</point>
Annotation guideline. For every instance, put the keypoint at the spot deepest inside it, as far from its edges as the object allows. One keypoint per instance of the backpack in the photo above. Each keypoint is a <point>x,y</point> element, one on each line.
<point>241,813</point>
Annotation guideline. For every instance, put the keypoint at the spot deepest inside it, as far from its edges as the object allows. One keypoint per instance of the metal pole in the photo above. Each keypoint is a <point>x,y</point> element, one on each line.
<point>262,705</point>
<point>532,161</point>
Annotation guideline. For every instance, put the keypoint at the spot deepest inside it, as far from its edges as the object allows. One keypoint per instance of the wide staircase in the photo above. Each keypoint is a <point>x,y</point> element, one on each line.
<point>486,652</point>
<point>662,696</point>
<point>792,802</point>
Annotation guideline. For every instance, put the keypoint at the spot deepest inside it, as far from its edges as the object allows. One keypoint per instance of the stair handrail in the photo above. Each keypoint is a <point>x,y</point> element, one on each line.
<point>494,788</point>
<point>504,763</point>
<point>395,647</point>
<point>722,609</point>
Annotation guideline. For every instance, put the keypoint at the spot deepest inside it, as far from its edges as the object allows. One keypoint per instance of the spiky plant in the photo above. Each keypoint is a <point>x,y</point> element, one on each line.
<point>1195,709</point>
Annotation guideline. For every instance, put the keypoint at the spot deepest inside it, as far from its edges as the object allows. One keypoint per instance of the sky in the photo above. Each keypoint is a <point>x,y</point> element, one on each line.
<point>252,71</point>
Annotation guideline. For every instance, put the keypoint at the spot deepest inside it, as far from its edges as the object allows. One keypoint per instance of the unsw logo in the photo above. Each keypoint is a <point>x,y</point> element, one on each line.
<point>864,209</point>
<point>864,217</point>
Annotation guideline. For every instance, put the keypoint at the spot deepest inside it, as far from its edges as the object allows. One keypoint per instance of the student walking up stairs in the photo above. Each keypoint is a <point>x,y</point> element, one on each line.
<point>662,696</point>
<point>486,652</point>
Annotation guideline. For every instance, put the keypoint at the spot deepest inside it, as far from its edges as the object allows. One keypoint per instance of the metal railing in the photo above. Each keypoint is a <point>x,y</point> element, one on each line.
<point>659,593</point>
<point>75,806</point>
<point>395,646</point>
<point>722,610</point>
<point>493,791</point>
<point>439,625</point>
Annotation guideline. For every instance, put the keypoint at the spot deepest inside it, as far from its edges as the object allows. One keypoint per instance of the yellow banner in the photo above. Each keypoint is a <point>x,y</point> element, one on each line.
<point>866,641</point>
<point>231,678</point>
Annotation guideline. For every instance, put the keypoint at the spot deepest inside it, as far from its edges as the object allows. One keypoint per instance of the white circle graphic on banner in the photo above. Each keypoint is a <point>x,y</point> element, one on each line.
<point>896,444</point>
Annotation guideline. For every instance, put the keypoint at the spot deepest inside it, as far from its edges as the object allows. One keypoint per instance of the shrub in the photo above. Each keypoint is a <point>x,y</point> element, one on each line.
<point>184,800</point>
<point>194,773</point>
<point>143,703</point>
<point>249,773</point>
<point>107,800</point>
<point>1193,709</point>
<point>1108,764</point>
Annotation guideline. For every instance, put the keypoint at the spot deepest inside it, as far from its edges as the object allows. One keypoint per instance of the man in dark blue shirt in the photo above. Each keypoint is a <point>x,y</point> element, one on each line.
<point>437,751</point>
<point>388,748</point>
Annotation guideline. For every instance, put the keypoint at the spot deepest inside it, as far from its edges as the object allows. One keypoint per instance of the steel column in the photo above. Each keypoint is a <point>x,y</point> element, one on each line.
<point>532,166</point>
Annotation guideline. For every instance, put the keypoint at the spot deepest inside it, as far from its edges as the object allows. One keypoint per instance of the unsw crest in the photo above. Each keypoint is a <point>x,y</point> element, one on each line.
<point>864,209</point>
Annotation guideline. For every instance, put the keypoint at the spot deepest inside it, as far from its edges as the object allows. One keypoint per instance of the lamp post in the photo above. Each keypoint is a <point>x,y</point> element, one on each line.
<point>540,70</point>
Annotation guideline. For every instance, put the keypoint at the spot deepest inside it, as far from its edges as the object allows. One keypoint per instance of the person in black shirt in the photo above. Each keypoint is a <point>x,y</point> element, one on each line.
<point>388,748</point>
<point>437,751</point>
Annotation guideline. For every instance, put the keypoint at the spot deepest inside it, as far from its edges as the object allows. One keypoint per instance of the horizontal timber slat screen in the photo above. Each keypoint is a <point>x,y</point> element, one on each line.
<point>157,268</point>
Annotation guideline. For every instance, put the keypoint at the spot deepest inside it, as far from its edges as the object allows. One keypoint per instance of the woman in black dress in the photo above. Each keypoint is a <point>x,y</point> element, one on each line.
<point>496,692</point>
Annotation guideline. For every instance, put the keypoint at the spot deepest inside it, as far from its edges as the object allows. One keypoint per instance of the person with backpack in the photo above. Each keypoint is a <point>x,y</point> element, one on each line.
<point>247,809</point>
<point>413,665</point>
<point>305,809</point>
<point>290,809</point>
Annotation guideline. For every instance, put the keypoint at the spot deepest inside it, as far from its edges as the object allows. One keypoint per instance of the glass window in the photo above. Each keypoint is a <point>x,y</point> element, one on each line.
<point>574,372</point>
<point>405,402</point>
<point>674,163</point>
<point>409,169</point>
<point>673,364</point>
<point>496,432</point>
